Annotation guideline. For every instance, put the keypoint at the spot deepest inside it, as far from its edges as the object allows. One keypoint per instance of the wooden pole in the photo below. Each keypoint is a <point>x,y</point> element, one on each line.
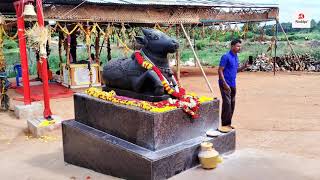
<point>68,50</point>
<point>178,56</point>
<point>88,41</point>
<point>104,39</point>
<point>196,57</point>
<point>275,50</point>
<point>108,48</point>
<point>97,46</point>
<point>194,47</point>
<point>2,61</point>
<point>285,34</point>
<point>73,47</point>
<point>67,67</point>
<point>60,54</point>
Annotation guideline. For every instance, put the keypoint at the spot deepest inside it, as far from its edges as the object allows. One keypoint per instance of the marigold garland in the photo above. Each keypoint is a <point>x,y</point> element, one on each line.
<point>157,107</point>
<point>112,97</point>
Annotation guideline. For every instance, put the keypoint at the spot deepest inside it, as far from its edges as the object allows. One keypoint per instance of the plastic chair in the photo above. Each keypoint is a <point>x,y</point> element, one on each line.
<point>17,70</point>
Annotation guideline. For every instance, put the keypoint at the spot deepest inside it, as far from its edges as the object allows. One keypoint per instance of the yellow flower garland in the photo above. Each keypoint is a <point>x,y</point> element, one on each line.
<point>112,97</point>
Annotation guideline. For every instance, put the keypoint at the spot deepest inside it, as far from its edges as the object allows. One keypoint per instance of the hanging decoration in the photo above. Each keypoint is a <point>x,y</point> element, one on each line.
<point>262,33</point>
<point>203,32</point>
<point>132,35</point>
<point>38,38</point>
<point>164,30</point>
<point>65,29</point>
<point>2,61</point>
<point>88,31</point>
<point>2,20</point>
<point>105,33</point>
<point>245,31</point>
<point>7,35</point>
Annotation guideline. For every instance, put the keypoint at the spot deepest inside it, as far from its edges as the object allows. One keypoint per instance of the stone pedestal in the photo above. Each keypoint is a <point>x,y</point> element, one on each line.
<point>37,129</point>
<point>27,112</point>
<point>131,143</point>
<point>146,129</point>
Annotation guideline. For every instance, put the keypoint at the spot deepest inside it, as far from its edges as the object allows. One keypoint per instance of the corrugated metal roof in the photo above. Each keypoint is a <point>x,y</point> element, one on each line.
<point>200,3</point>
<point>6,6</point>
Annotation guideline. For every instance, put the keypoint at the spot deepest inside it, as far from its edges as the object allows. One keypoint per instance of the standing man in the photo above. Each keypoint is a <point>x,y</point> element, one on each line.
<point>228,69</point>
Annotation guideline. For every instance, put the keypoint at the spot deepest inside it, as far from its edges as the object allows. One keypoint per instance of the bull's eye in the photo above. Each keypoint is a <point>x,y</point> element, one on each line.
<point>156,38</point>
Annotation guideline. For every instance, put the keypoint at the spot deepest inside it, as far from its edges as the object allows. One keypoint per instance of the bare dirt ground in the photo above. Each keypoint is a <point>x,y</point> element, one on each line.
<point>278,132</point>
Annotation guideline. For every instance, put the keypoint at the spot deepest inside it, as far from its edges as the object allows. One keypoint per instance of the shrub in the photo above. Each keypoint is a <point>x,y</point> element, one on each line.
<point>10,44</point>
<point>200,45</point>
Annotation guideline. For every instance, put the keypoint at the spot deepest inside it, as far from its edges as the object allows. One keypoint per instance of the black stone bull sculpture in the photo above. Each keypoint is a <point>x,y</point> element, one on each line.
<point>127,74</point>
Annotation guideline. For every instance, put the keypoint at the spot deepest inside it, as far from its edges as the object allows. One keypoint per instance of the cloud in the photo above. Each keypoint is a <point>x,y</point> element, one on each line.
<point>289,7</point>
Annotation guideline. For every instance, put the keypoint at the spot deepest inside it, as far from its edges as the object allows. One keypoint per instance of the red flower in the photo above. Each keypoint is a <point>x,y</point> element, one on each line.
<point>195,116</point>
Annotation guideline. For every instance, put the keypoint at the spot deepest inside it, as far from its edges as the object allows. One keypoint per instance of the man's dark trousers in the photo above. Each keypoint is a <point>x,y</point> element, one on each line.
<point>228,105</point>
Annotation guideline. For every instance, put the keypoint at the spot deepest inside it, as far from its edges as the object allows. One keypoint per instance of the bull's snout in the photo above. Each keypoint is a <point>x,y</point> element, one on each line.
<point>175,44</point>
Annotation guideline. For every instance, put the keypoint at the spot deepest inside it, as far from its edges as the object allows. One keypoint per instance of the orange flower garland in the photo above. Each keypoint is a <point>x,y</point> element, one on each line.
<point>157,107</point>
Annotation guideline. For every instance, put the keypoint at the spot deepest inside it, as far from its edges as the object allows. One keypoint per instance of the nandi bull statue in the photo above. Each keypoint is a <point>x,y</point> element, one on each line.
<point>147,71</point>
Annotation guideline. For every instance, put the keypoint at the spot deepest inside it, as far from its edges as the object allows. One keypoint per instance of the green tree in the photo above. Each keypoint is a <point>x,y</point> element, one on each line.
<point>313,25</point>
<point>287,27</point>
<point>318,25</point>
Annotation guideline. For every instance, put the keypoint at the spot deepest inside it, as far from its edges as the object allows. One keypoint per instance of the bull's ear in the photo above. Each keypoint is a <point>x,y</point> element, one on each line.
<point>140,40</point>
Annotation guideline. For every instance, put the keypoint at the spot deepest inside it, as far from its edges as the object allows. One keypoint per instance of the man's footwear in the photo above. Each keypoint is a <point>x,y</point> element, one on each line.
<point>213,133</point>
<point>232,126</point>
<point>225,129</point>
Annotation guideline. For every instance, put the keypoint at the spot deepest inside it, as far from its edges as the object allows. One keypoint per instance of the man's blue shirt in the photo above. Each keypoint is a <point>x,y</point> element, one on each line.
<point>230,62</point>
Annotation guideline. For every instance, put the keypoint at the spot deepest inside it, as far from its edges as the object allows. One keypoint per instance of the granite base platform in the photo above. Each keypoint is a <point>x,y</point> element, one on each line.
<point>131,143</point>
<point>144,128</point>
<point>90,148</point>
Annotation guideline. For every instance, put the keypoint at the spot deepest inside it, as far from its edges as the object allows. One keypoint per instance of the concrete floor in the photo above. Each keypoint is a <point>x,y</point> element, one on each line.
<point>46,163</point>
<point>253,164</point>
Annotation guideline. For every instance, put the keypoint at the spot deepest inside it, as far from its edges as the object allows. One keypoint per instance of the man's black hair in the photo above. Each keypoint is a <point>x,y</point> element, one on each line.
<point>235,41</point>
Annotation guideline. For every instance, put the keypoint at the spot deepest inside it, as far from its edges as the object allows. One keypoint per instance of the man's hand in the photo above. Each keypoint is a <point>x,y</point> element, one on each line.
<point>226,87</point>
<point>244,66</point>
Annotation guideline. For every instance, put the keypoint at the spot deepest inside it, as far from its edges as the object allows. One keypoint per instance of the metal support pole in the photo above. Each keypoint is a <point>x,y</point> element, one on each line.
<point>43,60</point>
<point>19,6</point>
<point>197,59</point>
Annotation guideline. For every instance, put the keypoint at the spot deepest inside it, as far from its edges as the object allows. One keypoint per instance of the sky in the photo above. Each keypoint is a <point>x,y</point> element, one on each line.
<point>289,7</point>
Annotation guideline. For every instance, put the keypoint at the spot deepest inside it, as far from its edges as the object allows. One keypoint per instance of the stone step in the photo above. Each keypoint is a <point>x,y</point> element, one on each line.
<point>90,148</point>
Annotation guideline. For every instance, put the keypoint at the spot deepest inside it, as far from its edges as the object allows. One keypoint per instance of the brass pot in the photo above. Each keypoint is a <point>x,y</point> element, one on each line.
<point>208,156</point>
